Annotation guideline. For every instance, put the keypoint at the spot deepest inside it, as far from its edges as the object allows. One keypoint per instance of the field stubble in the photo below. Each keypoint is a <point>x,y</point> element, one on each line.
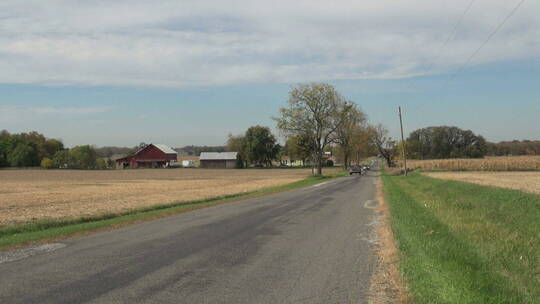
<point>27,195</point>
<point>523,181</point>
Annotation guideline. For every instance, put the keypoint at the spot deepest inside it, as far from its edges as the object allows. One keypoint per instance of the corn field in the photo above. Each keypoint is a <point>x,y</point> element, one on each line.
<point>503,163</point>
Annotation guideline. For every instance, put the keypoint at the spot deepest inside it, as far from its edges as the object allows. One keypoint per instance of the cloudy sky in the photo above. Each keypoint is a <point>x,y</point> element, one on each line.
<point>191,72</point>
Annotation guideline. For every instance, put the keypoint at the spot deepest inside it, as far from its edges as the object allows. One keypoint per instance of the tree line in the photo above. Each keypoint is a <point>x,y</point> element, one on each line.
<point>26,149</point>
<point>436,142</point>
<point>516,147</point>
<point>33,149</point>
<point>445,142</point>
<point>196,150</point>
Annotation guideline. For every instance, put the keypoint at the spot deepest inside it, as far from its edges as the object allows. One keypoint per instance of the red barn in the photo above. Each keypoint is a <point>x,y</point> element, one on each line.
<point>151,156</point>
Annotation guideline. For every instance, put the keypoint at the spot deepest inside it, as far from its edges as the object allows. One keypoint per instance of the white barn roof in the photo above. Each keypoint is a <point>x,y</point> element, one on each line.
<point>166,149</point>
<point>218,155</point>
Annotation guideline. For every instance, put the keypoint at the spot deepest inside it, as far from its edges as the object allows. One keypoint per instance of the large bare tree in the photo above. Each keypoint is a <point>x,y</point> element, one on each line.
<point>311,112</point>
<point>349,123</point>
<point>385,145</point>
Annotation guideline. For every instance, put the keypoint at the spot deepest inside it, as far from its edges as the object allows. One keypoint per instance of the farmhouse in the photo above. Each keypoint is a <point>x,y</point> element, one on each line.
<point>224,160</point>
<point>151,156</point>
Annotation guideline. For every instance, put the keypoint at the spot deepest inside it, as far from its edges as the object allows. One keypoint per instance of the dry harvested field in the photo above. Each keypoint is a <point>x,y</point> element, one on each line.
<point>27,195</point>
<point>523,181</point>
<point>510,163</point>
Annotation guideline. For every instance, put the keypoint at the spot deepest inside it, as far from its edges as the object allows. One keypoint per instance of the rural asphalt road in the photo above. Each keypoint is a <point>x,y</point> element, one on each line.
<point>311,245</point>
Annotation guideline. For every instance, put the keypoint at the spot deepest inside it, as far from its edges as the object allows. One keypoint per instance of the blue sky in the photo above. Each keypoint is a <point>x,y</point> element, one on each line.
<point>185,73</point>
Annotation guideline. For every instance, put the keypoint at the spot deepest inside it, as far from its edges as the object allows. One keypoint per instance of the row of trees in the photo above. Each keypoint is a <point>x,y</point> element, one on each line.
<point>319,120</point>
<point>516,147</point>
<point>26,149</point>
<point>441,142</point>
<point>78,157</point>
<point>445,142</point>
<point>34,149</point>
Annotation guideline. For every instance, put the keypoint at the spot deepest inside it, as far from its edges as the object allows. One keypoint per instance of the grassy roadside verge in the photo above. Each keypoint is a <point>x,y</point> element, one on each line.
<point>46,230</point>
<point>464,243</point>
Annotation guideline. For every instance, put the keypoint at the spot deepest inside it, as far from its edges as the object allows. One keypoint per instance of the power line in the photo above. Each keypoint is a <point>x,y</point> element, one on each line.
<point>495,31</point>
<point>486,41</point>
<point>451,36</point>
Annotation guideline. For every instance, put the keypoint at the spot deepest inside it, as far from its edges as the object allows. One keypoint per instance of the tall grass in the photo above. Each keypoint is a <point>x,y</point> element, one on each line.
<point>510,163</point>
<point>464,243</point>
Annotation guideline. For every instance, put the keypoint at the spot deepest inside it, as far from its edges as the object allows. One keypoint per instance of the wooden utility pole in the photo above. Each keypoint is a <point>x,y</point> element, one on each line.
<point>403,147</point>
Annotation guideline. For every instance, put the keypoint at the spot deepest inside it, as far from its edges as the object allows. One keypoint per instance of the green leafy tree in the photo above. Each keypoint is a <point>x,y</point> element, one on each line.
<point>299,147</point>
<point>101,164</point>
<point>37,141</point>
<point>278,152</point>
<point>51,146</point>
<point>82,157</point>
<point>311,112</point>
<point>260,146</point>
<point>23,156</point>
<point>7,144</point>
<point>62,159</point>
<point>237,144</point>
<point>37,148</point>
<point>514,147</point>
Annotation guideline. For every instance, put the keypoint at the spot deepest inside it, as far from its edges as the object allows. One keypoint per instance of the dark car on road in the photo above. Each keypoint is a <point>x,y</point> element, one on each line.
<point>355,169</point>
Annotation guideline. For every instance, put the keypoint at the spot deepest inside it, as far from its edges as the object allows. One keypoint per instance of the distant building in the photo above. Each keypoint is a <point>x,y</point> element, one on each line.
<point>329,156</point>
<point>287,161</point>
<point>223,160</point>
<point>151,156</point>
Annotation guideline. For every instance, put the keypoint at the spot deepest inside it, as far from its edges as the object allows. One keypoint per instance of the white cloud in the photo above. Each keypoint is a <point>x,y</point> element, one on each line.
<point>198,43</point>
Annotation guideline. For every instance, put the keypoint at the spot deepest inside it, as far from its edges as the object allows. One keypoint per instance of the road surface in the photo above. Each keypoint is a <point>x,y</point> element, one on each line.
<point>311,245</point>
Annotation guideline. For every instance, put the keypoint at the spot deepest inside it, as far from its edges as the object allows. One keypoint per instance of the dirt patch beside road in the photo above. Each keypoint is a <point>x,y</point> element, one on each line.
<point>387,285</point>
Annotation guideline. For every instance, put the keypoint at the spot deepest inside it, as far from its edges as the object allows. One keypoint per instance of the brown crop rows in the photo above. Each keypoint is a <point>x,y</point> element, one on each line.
<point>27,195</point>
<point>513,163</point>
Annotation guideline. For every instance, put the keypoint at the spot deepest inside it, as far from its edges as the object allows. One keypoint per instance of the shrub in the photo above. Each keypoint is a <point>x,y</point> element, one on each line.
<point>101,164</point>
<point>47,163</point>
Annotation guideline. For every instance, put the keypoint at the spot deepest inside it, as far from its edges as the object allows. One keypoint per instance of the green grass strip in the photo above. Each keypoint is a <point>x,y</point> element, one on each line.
<point>49,229</point>
<point>464,243</point>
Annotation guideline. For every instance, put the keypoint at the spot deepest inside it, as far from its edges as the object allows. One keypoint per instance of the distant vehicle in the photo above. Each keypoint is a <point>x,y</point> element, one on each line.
<point>188,164</point>
<point>355,169</point>
<point>366,167</point>
<point>172,164</point>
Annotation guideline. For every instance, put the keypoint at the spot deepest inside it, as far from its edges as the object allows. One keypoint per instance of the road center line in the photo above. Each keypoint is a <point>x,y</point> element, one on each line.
<point>321,184</point>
